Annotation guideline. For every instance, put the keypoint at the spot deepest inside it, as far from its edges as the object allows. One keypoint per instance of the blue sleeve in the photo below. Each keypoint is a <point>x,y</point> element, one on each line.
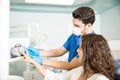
<point>66,45</point>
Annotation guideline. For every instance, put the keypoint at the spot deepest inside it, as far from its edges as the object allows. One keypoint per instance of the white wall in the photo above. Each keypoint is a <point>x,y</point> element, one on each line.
<point>4,32</point>
<point>110,26</point>
<point>110,23</point>
<point>56,26</point>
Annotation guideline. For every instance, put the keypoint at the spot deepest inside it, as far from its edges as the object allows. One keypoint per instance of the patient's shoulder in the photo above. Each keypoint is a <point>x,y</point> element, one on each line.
<point>98,77</point>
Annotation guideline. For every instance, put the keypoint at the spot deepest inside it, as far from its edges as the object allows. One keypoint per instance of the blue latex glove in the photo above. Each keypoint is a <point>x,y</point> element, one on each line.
<point>33,52</point>
<point>38,59</point>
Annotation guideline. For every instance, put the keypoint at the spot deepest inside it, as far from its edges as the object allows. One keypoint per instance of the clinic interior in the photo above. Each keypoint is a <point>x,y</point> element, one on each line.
<point>53,23</point>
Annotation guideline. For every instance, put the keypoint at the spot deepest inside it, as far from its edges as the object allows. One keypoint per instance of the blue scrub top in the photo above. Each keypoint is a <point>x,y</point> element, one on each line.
<point>72,45</point>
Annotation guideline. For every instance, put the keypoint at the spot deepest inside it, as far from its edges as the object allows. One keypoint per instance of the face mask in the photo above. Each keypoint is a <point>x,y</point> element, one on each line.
<point>76,31</point>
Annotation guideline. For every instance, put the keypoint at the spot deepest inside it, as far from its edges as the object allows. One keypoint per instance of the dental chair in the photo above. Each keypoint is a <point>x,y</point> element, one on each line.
<point>117,61</point>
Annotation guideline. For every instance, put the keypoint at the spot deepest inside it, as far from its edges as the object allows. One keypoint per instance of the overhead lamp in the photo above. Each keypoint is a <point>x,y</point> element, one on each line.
<point>55,2</point>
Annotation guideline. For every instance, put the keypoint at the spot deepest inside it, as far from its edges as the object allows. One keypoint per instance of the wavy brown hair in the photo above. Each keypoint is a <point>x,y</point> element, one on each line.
<point>97,56</point>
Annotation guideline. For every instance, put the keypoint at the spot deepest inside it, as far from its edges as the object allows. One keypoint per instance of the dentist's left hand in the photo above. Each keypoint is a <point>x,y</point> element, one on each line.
<point>32,51</point>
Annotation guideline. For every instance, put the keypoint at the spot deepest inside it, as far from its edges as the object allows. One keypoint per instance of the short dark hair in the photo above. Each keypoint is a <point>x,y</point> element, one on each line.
<point>85,14</point>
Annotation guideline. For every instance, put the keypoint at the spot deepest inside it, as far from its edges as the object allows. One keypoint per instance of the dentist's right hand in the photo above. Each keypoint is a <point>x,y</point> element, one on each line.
<point>32,51</point>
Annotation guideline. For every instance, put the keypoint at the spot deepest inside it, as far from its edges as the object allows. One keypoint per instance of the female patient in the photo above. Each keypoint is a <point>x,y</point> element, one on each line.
<point>95,56</point>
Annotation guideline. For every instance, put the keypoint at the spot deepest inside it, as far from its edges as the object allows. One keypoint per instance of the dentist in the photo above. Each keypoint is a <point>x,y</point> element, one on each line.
<point>83,19</point>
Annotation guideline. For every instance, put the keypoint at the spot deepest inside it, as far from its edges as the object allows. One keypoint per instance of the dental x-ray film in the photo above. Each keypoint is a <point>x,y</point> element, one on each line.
<point>15,52</point>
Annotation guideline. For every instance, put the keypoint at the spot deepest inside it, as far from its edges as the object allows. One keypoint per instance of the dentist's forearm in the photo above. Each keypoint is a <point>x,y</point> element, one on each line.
<point>48,53</point>
<point>53,52</point>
